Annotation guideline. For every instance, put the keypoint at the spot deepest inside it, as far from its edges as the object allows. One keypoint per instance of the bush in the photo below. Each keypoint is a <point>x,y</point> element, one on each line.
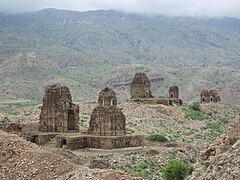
<point>195,106</point>
<point>4,121</point>
<point>177,170</point>
<point>157,137</point>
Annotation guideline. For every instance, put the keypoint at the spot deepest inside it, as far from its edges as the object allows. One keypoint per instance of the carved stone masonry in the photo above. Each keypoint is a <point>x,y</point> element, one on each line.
<point>140,86</point>
<point>209,96</point>
<point>107,119</point>
<point>58,113</point>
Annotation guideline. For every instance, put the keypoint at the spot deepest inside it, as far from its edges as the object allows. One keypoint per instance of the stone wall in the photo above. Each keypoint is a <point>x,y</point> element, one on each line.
<point>100,142</point>
<point>39,138</point>
<point>107,121</point>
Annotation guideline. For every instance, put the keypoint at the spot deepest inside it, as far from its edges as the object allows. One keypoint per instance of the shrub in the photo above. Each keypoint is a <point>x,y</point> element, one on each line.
<point>177,170</point>
<point>157,137</point>
<point>4,121</point>
<point>195,106</point>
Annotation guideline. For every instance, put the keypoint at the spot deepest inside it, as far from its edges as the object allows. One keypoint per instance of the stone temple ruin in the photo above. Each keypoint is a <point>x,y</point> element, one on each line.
<point>174,96</point>
<point>59,119</point>
<point>58,113</point>
<point>141,92</point>
<point>209,96</point>
<point>107,128</point>
<point>140,86</point>
<point>107,119</point>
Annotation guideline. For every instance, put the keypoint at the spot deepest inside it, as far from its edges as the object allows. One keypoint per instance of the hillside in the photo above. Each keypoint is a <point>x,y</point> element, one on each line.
<point>23,160</point>
<point>89,50</point>
<point>187,131</point>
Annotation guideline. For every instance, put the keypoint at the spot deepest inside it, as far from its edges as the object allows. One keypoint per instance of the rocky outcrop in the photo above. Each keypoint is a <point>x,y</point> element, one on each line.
<point>224,142</point>
<point>222,158</point>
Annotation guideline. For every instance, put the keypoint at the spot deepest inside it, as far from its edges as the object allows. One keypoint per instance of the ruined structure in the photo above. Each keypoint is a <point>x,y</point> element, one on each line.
<point>174,96</point>
<point>173,92</point>
<point>59,119</point>
<point>107,128</point>
<point>224,142</point>
<point>107,119</point>
<point>140,92</point>
<point>140,86</point>
<point>209,96</point>
<point>58,113</point>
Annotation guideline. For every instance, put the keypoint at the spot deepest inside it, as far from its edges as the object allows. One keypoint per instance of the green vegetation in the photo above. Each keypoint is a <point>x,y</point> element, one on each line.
<point>21,105</point>
<point>216,128</point>
<point>194,112</point>
<point>145,169</point>
<point>87,58</point>
<point>4,121</point>
<point>14,113</point>
<point>157,137</point>
<point>177,170</point>
<point>195,106</point>
<point>83,122</point>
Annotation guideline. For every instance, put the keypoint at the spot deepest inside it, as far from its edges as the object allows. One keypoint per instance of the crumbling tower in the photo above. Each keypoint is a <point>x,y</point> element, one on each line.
<point>173,92</point>
<point>107,119</point>
<point>58,113</point>
<point>209,96</point>
<point>140,86</point>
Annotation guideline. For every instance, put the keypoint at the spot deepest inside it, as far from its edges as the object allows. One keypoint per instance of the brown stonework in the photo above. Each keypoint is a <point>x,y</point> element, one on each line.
<point>140,86</point>
<point>209,96</point>
<point>58,113</point>
<point>39,138</point>
<point>107,128</point>
<point>172,99</point>
<point>101,142</point>
<point>107,98</point>
<point>107,119</point>
<point>173,92</point>
<point>174,96</point>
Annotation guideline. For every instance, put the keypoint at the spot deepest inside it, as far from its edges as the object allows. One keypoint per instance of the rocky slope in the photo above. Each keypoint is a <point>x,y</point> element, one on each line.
<point>223,166</point>
<point>23,160</point>
<point>188,132</point>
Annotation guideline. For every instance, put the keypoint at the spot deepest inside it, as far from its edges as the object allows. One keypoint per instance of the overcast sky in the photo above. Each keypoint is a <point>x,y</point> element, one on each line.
<point>167,7</point>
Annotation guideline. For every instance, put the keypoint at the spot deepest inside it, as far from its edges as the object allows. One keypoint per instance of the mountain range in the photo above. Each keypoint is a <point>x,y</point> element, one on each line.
<point>90,50</point>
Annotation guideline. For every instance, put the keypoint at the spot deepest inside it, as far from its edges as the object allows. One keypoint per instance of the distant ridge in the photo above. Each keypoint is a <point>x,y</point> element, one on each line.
<point>90,50</point>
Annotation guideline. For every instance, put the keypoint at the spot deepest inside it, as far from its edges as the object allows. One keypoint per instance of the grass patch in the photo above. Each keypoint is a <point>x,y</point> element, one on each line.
<point>14,113</point>
<point>195,106</point>
<point>195,115</point>
<point>194,112</point>
<point>157,137</point>
<point>4,121</point>
<point>145,169</point>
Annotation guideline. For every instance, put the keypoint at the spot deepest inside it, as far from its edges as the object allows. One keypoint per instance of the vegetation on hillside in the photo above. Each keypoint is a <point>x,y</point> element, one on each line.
<point>89,50</point>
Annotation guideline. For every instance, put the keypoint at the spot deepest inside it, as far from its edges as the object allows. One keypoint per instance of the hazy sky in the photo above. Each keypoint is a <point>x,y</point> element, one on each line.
<point>167,7</point>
